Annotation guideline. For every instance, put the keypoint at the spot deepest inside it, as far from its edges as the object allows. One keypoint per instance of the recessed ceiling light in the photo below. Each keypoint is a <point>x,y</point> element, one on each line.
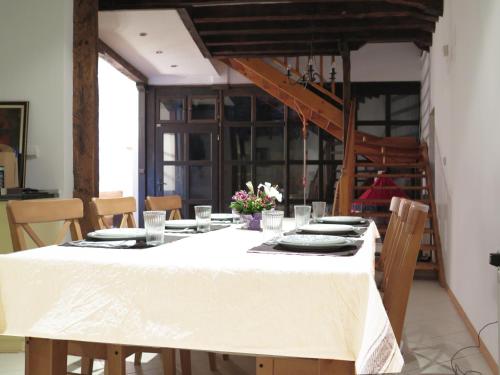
<point>174,66</point>
<point>159,52</point>
<point>143,34</point>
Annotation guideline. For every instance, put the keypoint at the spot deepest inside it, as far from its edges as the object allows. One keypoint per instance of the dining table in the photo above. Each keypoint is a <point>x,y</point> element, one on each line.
<point>204,291</point>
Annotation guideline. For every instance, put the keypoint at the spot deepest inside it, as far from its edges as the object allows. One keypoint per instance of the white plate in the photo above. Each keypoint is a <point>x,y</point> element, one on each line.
<point>180,224</point>
<point>308,242</point>
<point>343,220</point>
<point>223,216</point>
<point>118,234</point>
<point>326,228</point>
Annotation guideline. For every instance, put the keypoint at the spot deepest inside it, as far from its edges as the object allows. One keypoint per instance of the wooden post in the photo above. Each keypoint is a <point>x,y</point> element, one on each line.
<point>346,89</point>
<point>85,104</point>
<point>46,357</point>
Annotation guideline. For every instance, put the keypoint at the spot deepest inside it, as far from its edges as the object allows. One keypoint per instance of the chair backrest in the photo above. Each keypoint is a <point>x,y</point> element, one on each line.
<point>399,282</point>
<point>21,214</point>
<point>390,234</point>
<point>109,207</point>
<point>108,220</point>
<point>172,203</point>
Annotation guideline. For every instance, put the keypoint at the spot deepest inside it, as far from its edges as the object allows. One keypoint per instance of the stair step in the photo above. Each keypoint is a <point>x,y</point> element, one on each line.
<point>385,201</point>
<point>391,187</point>
<point>426,266</point>
<point>389,175</point>
<point>390,165</point>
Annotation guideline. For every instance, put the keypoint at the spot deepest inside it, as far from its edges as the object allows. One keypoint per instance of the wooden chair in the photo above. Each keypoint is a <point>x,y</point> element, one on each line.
<point>172,203</point>
<point>103,208</point>
<point>21,214</point>
<point>401,271</point>
<point>108,220</point>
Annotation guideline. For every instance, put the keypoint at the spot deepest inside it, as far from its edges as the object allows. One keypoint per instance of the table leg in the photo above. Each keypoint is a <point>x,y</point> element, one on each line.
<point>115,360</point>
<point>46,357</point>
<point>298,366</point>
<point>168,360</point>
<point>185,361</point>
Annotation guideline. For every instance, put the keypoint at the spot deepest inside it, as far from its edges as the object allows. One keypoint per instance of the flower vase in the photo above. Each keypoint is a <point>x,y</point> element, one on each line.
<point>251,221</point>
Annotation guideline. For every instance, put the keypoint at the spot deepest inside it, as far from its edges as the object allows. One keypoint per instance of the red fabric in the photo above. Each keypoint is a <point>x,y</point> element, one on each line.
<point>374,193</point>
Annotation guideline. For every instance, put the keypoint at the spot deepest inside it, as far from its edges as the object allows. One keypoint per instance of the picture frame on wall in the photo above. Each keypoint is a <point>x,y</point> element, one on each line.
<point>13,142</point>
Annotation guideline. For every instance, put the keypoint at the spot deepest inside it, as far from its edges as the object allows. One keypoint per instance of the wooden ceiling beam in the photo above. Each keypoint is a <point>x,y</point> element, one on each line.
<point>309,11</point>
<point>432,7</point>
<point>312,28</point>
<point>122,65</point>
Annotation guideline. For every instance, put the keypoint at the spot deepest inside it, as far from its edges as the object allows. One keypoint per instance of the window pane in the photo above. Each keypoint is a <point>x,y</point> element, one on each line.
<point>333,149</point>
<point>269,143</point>
<point>200,182</point>
<point>274,174</point>
<point>269,109</point>
<point>237,143</point>
<point>173,180</point>
<point>378,130</point>
<point>312,182</point>
<point>200,146</point>
<point>404,131</point>
<point>203,108</point>
<point>295,140</point>
<point>172,109</point>
<point>172,147</point>
<point>371,108</point>
<point>405,107</point>
<point>237,108</point>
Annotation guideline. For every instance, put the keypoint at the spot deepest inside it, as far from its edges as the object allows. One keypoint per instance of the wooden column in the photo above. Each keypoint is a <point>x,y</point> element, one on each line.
<point>85,104</point>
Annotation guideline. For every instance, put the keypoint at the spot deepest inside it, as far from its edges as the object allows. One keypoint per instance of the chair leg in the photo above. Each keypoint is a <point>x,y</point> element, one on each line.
<point>168,361</point>
<point>137,359</point>
<point>87,365</point>
<point>225,357</point>
<point>185,361</point>
<point>212,361</point>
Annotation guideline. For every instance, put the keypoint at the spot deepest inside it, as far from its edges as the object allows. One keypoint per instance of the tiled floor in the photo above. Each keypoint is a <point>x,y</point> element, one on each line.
<point>433,333</point>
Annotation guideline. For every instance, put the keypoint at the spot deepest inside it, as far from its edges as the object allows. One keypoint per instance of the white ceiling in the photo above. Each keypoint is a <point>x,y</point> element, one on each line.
<point>165,32</point>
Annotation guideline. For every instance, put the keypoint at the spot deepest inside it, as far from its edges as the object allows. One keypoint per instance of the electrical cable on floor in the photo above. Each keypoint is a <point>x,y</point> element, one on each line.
<point>455,368</point>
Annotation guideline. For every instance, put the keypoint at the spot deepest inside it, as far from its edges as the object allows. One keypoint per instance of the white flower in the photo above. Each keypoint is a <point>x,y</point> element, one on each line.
<point>271,191</point>
<point>250,187</point>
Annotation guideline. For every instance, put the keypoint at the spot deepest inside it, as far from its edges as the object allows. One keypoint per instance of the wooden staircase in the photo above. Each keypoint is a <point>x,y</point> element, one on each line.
<point>402,159</point>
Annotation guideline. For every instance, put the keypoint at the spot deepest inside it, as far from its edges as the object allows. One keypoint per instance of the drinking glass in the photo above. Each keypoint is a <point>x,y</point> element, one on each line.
<point>302,215</point>
<point>236,216</point>
<point>203,218</point>
<point>318,210</point>
<point>272,224</point>
<point>154,222</point>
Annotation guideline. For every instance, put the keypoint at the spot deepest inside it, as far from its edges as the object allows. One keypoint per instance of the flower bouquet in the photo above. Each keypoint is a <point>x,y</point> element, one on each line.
<point>250,204</point>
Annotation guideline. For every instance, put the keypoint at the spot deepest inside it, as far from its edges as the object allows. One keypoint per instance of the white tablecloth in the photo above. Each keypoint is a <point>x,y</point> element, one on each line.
<point>205,292</point>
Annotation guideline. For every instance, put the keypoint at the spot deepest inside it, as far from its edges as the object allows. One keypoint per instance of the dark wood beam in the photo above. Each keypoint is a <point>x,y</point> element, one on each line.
<point>428,6</point>
<point>346,89</point>
<point>186,19</point>
<point>312,28</point>
<point>306,12</point>
<point>85,104</point>
<point>119,63</point>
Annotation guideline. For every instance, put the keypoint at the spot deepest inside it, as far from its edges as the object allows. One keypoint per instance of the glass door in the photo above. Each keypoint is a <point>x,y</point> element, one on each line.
<point>187,150</point>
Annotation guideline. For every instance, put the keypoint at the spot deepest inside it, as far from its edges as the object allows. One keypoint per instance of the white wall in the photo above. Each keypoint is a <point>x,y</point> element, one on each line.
<point>36,65</point>
<point>465,93</point>
<point>371,63</point>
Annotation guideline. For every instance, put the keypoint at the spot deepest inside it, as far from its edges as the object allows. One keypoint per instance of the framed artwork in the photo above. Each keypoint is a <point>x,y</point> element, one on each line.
<point>13,140</point>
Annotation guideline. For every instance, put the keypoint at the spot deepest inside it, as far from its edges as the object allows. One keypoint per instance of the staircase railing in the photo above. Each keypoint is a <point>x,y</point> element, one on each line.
<point>346,181</point>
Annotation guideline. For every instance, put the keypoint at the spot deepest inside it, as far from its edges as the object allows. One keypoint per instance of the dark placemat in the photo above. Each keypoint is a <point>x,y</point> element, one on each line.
<point>90,242</point>
<point>352,234</point>
<point>278,249</point>
<point>213,227</point>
